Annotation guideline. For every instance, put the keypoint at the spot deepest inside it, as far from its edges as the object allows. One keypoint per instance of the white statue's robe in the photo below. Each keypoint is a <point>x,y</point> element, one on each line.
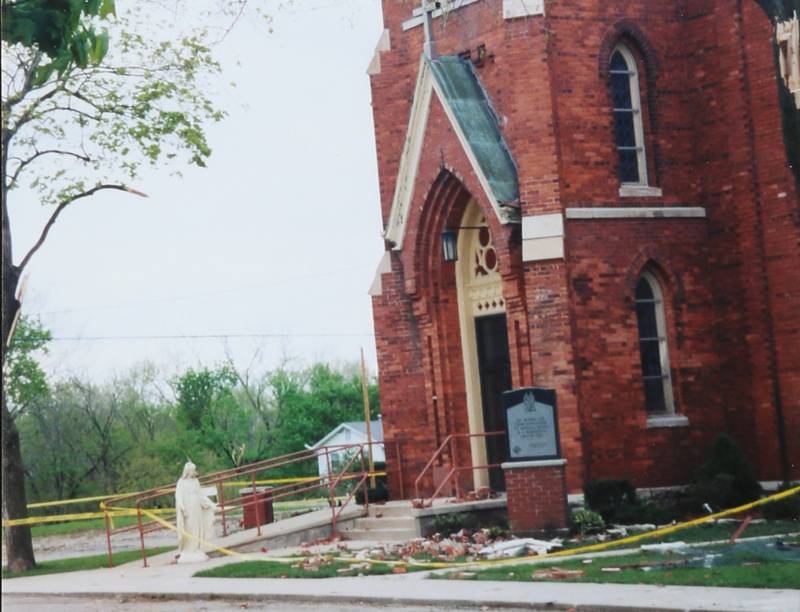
<point>195,517</point>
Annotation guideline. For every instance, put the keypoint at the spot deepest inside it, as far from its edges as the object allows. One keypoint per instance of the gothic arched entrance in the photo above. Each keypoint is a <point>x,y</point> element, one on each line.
<point>484,341</point>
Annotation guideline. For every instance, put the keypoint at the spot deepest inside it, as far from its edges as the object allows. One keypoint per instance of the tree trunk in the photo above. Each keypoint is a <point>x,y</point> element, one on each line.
<point>19,546</point>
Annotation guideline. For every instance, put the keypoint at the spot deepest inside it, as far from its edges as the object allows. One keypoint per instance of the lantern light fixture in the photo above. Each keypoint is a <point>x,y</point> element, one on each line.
<point>450,240</point>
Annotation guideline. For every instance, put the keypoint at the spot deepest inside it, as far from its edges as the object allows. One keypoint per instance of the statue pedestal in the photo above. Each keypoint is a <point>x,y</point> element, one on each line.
<point>537,496</point>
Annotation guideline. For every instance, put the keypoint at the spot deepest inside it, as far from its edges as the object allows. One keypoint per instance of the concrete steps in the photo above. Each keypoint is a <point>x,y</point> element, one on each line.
<point>397,522</point>
<point>391,509</point>
<point>391,522</point>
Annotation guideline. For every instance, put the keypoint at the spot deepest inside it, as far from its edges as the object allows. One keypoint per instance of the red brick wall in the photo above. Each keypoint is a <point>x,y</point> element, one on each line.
<point>605,260</point>
<point>731,281</point>
<point>537,499</point>
<point>754,221</point>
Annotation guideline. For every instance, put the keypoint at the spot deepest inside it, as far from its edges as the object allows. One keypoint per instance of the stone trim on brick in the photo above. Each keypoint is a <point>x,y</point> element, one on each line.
<point>383,45</point>
<point>640,191</point>
<point>384,267</point>
<point>409,161</point>
<point>511,465</point>
<point>513,9</point>
<point>542,237</point>
<point>667,420</point>
<point>660,212</point>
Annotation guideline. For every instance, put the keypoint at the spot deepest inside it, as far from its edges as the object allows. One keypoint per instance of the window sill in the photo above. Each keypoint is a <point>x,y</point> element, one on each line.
<point>667,420</point>
<point>639,191</point>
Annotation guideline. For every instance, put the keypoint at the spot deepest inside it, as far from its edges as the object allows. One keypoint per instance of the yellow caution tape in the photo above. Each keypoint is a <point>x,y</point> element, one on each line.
<point>242,483</point>
<point>225,551</point>
<point>627,540</point>
<point>82,516</point>
<point>152,513</point>
<point>85,516</point>
<point>492,562</point>
<point>65,502</point>
<point>202,542</point>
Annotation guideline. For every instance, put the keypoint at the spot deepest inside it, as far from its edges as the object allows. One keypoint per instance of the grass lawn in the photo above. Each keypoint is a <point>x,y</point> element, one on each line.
<point>76,564</point>
<point>710,532</point>
<point>751,569</point>
<point>276,569</point>
<point>723,531</point>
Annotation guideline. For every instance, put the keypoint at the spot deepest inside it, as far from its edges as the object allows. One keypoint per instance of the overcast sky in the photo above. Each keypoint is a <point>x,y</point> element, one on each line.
<point>279,235</point>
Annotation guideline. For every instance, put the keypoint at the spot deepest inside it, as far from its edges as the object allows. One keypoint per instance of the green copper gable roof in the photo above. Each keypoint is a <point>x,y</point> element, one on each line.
<point>473,111</point>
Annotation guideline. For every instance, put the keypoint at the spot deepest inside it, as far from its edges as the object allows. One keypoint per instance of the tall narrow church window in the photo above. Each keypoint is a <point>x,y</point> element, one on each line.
<point>653,346</point>
<point>628,127</point>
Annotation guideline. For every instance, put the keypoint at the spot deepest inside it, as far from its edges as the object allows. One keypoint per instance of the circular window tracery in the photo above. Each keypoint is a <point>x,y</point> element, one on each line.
<point>485,256</point>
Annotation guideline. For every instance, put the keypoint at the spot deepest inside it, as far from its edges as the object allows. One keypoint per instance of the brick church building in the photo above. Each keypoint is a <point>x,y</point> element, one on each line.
<point>611,182</point>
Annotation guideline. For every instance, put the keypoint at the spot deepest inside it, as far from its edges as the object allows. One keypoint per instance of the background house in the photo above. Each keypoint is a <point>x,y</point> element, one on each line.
<point>352,432</point>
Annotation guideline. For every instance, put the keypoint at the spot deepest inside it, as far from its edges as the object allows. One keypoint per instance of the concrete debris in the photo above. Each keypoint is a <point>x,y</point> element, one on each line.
<point>355,567</point>
<point>663,547</point>
<point>518,547</point>
<point>728,521</point>
<point>463,576</point>
<point>313,563</point>
<point>482,493</point>
<point>556,573</point>
<point>617,532</point>
<point>462,545</point>
<point>637,527</point>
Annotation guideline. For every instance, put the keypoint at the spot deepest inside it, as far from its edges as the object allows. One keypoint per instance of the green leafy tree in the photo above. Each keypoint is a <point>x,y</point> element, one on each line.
<point>90,439</point>
<point>210,416</point>
<point>311,403</point>
<point>59,29</point>
<point>52,433</point>
<point>81,116</point>
<point>24,383</point>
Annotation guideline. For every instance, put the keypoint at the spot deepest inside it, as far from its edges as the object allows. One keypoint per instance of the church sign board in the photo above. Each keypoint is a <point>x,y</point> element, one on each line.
<point>532,424</point>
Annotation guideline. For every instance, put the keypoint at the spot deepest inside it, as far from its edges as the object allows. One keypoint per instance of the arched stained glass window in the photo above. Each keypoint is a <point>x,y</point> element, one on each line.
<point>628,127</point>
<point>653,346</point>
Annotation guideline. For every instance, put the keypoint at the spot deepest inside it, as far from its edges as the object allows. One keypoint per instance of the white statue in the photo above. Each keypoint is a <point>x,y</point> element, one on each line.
<point>195,517</point>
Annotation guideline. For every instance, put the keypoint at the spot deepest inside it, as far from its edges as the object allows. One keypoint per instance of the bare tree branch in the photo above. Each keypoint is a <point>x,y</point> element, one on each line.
<point>25,162</point>
<point>51,221</point>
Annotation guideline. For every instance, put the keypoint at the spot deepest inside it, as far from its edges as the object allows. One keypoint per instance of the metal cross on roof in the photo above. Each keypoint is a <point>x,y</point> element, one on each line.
<point>429,47</point>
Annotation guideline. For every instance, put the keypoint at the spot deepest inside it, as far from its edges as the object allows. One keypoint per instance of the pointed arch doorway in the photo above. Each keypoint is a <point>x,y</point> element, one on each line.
<point>484,341</point>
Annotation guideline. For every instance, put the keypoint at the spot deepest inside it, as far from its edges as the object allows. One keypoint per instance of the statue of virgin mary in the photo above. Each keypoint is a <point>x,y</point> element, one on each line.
<point>195,517</point>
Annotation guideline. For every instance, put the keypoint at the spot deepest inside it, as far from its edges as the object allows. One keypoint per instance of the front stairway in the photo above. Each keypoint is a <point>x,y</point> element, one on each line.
<point>389,522</point>
<point>399,521</point>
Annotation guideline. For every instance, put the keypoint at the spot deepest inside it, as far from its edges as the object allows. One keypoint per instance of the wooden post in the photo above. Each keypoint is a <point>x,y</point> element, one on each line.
<point>367,420</point>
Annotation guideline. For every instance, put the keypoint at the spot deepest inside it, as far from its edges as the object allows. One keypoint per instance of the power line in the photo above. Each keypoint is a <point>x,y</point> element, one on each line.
<point>206,336</point>
<point>194,296</point>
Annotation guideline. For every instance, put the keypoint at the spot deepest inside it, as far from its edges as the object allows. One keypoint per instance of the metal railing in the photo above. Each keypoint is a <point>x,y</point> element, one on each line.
<point>354,469</point>
<point>455,468</point>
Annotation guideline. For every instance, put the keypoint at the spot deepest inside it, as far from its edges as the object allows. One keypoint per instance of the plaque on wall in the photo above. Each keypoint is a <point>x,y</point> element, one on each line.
<point>532,424</point>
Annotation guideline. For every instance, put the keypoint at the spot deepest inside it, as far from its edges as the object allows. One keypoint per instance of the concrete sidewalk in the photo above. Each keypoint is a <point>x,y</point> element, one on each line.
<point>176,582</point>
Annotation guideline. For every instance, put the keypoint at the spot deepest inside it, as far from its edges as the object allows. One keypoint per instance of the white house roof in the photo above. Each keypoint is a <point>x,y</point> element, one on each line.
<point>357,427</point>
